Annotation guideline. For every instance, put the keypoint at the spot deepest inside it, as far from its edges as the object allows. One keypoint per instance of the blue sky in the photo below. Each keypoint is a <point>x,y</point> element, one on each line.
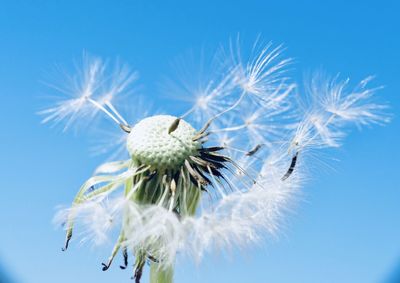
<point>346,228</point>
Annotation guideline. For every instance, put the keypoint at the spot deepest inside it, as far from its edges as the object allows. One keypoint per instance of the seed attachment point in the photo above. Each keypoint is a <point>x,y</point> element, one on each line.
<point>174,125</point>
<point>125,128</point>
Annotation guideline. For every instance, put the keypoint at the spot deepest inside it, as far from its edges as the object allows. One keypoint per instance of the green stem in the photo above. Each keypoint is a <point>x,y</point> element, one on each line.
<point>161,274</point>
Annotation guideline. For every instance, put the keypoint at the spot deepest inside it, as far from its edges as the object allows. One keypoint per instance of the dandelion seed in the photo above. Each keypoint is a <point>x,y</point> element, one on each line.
<point>90,92</point>
<point>354,105</point>
<point>225,184</point>
<point>262,74</point>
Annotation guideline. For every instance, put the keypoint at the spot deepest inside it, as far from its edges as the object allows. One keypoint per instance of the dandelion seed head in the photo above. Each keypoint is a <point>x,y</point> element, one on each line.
<point>150,143</point>
<point>220,176</point>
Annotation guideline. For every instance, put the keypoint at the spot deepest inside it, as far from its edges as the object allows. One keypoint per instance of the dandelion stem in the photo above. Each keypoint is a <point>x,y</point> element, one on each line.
<point>161,274</point>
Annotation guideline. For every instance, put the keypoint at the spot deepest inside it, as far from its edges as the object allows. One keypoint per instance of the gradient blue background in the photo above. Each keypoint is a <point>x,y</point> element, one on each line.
<point>346,229</point>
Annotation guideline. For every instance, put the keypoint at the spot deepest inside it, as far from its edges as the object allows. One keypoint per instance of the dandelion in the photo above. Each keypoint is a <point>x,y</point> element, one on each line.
<point>226,184</point>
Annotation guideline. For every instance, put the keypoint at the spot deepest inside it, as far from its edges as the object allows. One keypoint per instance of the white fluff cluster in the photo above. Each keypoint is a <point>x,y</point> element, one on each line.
<point>261,122</point>
<point>89,91</point>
